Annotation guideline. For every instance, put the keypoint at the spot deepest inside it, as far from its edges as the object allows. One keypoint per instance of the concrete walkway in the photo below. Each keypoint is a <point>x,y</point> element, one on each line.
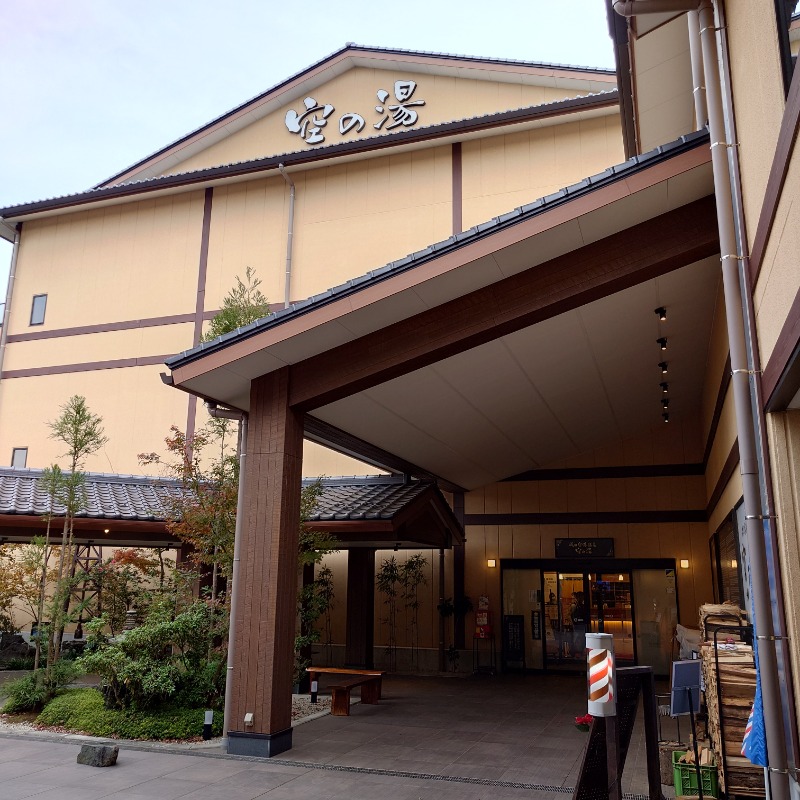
<point>503,737</point>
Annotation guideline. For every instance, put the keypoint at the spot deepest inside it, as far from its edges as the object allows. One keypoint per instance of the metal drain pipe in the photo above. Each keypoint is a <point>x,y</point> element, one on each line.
<point>289,238</point>
<point>758,523</point>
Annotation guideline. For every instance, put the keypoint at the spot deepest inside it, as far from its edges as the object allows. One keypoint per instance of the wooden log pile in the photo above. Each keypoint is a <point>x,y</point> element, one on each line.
<point>734,683</point>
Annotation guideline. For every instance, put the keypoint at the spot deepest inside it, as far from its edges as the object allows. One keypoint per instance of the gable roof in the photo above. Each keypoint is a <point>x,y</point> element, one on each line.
<point>353,55</point>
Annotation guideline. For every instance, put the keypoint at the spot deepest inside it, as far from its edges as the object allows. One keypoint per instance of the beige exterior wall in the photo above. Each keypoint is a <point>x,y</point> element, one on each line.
<point>446,99</point>
<point>662,76</point>
<point>758,98</point>
<point>715,363</point>
<point>779,278</point>
<point>137,411</point>
<point>129,261</point>
<point>783,431</point>
<point>501,173</point>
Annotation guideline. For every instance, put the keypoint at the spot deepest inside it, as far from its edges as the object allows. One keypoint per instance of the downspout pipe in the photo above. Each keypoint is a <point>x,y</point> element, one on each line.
<point>757,515</point>
<point>289,237</point>
<point>698,73</point>
<point>234,591</point>
<point>12,273</point>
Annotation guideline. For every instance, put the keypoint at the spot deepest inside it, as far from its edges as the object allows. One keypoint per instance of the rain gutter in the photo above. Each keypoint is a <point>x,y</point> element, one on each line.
<point>9,294</point>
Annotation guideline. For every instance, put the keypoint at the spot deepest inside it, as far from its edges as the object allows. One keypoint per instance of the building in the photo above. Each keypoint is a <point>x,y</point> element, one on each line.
<point>609,413</point>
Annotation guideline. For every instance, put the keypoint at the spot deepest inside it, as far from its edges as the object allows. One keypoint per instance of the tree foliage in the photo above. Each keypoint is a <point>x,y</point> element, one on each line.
<point>244,304</point>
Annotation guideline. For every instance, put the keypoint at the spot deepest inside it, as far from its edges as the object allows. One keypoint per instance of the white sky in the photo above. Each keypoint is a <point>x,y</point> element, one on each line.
<point>91,86</point>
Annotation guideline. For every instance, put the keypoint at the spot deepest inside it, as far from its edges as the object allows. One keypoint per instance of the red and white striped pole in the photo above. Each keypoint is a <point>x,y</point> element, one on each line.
<point>602,702</point>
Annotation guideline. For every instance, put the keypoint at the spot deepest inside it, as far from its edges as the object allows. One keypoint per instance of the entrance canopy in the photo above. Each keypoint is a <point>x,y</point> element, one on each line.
<point>516,344</point>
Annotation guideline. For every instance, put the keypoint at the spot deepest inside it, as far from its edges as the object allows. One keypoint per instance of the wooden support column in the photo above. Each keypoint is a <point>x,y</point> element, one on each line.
<point>267,610</point>
<point>359,640</point>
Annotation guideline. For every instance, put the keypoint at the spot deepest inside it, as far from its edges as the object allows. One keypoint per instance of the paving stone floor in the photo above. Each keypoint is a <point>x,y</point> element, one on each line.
<point>499,738</point>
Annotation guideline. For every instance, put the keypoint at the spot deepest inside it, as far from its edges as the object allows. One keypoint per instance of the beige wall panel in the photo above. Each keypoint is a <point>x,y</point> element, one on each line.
<point>490,498</point>
<point>784,439</point>
<point>130,261</point>
<point>715,362</point>
<point>700,562</point>
<point>319,461</point>
<point>350,220</point>
<point>337,562</point>
<point>137,411</point>
<point>248,229</point>
<point>503,172</point>
<point>611,494</point>
<point>723,442</point>
<point>641,494</point>
<point>758,98</point>
<point>527,541</point>
<point>663,84</point>
<point>779,279</point>
<point>643,541</point>
<point>139,342</point>
<point>581,495</point>
<point>553,496</point>
<point>729,499</point>
<point>445,99</point>
<point>524,497</point>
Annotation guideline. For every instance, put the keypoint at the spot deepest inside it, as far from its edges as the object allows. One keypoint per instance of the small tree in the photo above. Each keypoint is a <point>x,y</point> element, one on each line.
<point>242,305</point>
<point>81,432</point>
<point>412,576</point>
<point>328,594</point>
<point>389,581</point>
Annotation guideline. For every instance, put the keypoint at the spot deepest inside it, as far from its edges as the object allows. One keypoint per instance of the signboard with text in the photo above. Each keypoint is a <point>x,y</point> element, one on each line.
<point>584,548</point>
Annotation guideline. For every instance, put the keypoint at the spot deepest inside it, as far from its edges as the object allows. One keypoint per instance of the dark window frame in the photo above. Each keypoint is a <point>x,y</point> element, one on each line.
<point>33,309</point>
<point>783,18</point>
<point>14,451</point>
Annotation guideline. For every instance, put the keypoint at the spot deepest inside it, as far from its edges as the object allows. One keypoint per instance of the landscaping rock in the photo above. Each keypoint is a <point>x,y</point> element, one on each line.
<point>13,646</point>
<point>98,755</point>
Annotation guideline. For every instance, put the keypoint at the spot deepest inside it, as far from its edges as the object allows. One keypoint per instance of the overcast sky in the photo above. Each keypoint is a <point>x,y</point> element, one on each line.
<point>91,86</point>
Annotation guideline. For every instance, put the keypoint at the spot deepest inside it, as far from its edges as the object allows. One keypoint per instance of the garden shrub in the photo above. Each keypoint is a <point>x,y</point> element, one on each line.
<point>32,692</point>
<point>84,711</point>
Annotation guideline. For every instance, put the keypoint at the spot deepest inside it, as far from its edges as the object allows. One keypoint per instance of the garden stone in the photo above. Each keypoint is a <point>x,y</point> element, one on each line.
<point>98,755</point>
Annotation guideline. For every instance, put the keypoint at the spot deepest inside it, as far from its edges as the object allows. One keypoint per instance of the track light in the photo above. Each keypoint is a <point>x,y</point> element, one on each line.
<point>663,366</point>
<point>662,341</point>
<point>664,387</point>
<point>666,417</point>
<point>665,402</point>
<point>662,313</point>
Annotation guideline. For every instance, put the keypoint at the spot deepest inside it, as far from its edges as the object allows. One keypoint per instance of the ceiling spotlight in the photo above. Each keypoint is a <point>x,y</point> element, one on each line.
<point>662,313</point>
<point>665,402</point>
<point>663,366</point>
<point>664,387</point>
<point>666,417</point>
<point>662,342</point>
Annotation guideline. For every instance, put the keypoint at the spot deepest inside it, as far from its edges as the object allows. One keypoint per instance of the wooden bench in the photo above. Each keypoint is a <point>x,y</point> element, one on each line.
<point>340,692</point>
<point>370,681</point>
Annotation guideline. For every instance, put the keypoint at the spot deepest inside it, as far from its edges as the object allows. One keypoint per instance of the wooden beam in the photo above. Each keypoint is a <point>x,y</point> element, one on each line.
<point>605,267</point>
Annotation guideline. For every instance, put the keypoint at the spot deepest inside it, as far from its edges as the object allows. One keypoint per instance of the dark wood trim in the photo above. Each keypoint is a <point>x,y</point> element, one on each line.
<point>781,378</point>
<point>327,435</point>
<point>432,133</point>
<point>586,517</point>
<point>594,473</point>
<point>89,366</point>
<point>790,125</point>
<point>202,267</point>
<point>102,327</point>
<point>458,188</point>
<point>629,257</point>
<point>459,574</point>
<point>725,475</point>
<point>724,383</point>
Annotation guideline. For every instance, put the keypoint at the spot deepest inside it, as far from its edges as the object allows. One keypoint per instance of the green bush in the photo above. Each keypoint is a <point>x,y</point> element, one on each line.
<point>20,662</point>
<point>84,711</point>
<point>32,692</point>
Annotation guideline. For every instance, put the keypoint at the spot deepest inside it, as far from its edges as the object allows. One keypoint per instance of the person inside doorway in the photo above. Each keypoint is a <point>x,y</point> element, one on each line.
<point>578,616</point>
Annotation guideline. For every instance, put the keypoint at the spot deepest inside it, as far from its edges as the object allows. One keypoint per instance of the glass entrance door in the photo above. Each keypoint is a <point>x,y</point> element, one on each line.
<point>566,618</point>
<point>611,611</point>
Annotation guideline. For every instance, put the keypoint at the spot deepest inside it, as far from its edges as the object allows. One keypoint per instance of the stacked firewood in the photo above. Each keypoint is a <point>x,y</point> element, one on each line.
<point>733,682</point>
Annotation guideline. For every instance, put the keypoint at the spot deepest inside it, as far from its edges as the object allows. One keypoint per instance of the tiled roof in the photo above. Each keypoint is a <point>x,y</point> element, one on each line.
<point>543,204</point>
<point>137,497</point>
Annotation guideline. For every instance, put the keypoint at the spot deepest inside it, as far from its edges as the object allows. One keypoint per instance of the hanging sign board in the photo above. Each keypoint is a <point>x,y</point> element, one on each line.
<point>536,625</point>
<point>584,548</point>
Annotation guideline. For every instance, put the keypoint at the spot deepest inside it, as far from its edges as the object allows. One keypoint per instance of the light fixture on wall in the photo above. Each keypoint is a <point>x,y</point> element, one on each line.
<point>662,365</point>
<point>621,578</point>
<point>662,342</point>
<point>662,313</point>
<point>106,530</point>
<point>664,386</point>
<point>665,402</point>
<point>684,563</point>
<point>665,417</point>
<point>491,562</point>
<point>561,576</point>
<point>734,563</point>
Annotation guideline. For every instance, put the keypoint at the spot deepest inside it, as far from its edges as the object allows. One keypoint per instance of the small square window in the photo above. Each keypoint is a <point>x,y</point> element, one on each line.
<point>38,309</point>
<point>19,457</point>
